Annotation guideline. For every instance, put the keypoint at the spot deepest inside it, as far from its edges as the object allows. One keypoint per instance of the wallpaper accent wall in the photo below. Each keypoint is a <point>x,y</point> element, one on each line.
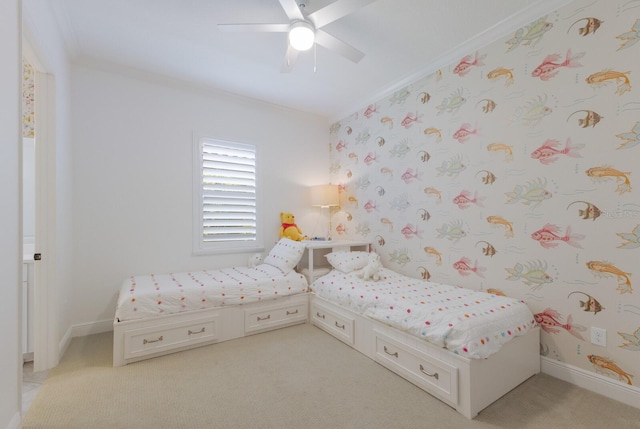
<point>512,171</point>
<point>28,96</point>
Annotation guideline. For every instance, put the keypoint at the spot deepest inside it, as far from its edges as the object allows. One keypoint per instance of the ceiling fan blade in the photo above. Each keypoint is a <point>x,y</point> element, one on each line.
<point>337,45</point>
<point>290,59</point>
<point>268,28</point>
<point>292,10</point>
<point>335,11</point>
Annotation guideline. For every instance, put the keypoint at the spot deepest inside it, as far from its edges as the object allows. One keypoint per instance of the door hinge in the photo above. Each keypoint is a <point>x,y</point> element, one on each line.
<point>37,256</point>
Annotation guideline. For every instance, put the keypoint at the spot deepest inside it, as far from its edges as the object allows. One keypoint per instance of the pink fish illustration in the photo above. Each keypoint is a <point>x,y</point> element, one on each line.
<point>410,119</point>
<point>369,206</point>
<point>463,200</point>
<point>464,267</point>
<point>340,146</point>
<point>409,175</point>
<point>548,237</point>
<point>465,64</point>
<point>371,109</point>
<point>549,321</point>
<point>370,158</point>
<point>464,132</point>
<point>410,231</point>
<point>548,152</point>
<point>550,65</point>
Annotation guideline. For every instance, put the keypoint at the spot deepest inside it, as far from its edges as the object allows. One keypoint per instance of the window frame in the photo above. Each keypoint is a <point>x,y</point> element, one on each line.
<point>200,246</point>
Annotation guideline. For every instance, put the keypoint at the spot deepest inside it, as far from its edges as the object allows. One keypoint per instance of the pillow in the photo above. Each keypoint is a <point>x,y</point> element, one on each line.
<point>285,255</point>
<point>348,262</point>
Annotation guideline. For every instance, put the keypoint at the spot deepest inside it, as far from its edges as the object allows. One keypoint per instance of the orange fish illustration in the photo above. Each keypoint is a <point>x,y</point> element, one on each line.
<point>353,200</point>
<point>433,191</point>
<point>432,251</point>
<point>434,131</point>
<point>550,67</point>
<point>605,269</point>
<point>622,178</point>
<point>495,147</point>
<point>497,220</point>
<point>604,77</point>
<point>496,292</point>
<point>607,364</point>
<point>387,121</point>
<point>387,221</point>
<point>500,72</point>
<point>465,64</point>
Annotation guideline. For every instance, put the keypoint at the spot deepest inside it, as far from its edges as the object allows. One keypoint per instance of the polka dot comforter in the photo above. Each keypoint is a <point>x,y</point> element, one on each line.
<point>469,323</point>
<point>158,294</point>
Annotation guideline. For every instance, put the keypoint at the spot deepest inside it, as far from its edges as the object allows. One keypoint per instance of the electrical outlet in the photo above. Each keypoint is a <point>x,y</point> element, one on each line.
<point>598,336</point>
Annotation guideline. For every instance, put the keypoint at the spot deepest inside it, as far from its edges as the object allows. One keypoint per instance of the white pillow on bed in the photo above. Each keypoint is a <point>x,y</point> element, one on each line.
<point>347,261</point>
<point>285,255</point>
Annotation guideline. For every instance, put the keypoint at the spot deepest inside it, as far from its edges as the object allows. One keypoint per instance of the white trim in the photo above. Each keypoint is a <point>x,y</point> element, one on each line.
<point>91,328</point>
<point>45,348</point>
<point>479,41</point>
<point>597,383</point>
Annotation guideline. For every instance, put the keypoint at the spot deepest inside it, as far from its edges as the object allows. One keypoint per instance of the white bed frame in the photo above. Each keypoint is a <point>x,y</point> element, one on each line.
<point>468,385</point>
<point>141,339</point>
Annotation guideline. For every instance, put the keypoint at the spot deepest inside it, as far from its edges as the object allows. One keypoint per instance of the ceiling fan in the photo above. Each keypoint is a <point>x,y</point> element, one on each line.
<point>304,30</point>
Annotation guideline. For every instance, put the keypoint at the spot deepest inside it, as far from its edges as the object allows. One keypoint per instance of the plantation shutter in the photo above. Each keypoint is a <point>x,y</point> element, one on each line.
<point>228,192</point>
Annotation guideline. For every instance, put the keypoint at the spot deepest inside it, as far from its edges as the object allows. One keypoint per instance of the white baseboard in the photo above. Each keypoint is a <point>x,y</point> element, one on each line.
<point>83,330</point>
<point>597,383</point>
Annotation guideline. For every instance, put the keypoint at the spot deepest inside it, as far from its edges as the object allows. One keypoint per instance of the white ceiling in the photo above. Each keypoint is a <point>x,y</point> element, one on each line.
<point>179,39</point>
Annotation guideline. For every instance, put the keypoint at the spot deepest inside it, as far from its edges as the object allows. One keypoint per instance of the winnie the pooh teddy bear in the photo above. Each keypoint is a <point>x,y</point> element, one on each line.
<point>289,229</point>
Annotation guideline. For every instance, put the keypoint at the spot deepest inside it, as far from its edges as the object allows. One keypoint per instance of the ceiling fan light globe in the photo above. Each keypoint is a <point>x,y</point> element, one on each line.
<point>301,36</point>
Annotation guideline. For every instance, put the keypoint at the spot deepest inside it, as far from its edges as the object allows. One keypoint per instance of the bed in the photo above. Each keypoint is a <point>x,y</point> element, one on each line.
<point>157,314</point>
<point>465,347</point>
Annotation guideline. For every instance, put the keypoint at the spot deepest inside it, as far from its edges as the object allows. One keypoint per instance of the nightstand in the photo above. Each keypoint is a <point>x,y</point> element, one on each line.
<point>313,267</point>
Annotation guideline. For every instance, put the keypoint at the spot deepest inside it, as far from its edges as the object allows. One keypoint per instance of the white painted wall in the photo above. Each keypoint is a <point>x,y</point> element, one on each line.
<point>132,175</point>
<point>10,232</point>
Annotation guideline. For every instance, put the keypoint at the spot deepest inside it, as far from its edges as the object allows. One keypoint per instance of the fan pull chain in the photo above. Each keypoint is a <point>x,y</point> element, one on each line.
<point>315,62</point>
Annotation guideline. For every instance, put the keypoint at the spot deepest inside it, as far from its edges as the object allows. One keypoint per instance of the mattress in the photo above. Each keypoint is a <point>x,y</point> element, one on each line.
<point>159,294</point>
<point>470,323</point>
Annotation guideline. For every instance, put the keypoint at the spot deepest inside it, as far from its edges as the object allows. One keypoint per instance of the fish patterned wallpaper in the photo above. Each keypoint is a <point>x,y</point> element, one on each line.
<point>28,95</point>
<point>515,171</point>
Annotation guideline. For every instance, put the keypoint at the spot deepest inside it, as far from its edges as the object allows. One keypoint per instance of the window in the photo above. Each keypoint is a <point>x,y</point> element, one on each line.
<point>225,197</point>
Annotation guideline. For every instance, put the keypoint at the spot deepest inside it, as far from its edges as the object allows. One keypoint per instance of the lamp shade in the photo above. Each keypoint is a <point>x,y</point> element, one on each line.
<point>301,35</point>
<point>325,196</point>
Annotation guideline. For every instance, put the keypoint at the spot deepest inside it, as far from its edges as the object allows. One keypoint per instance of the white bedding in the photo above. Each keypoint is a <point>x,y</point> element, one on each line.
<point>158,294</point>
<point>469,323</point>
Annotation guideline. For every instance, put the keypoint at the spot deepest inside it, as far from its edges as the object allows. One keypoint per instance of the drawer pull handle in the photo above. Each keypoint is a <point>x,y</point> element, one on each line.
<point>338,326</point>
<point>196,332</point>
<point>320,315</point>
<point>386,350</point>
<point>264,318</point>
<point>434,375</point>
<point>145,341</point>
<point>289,313</point>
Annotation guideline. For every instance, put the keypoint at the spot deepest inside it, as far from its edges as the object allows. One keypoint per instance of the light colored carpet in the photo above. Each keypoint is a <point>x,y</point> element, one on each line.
<point>297,377</point>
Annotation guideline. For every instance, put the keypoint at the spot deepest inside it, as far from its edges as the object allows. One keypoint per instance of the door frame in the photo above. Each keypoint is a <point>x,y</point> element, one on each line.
<point>45,303</point>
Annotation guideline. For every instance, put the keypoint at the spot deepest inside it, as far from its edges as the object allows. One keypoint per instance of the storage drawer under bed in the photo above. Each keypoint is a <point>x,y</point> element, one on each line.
<point>425,371</point>
<point>159,338</point>
<point>263,318</point>
<point>339,325</point>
